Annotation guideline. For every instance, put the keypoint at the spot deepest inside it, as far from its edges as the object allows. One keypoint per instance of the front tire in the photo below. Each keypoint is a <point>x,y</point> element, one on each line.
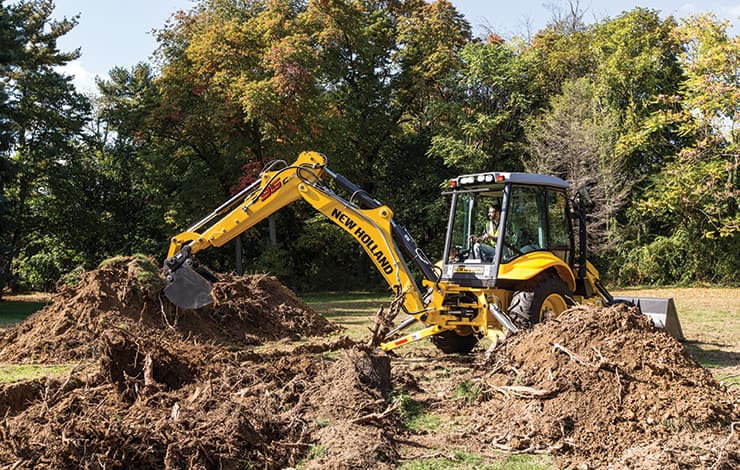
<point>546,299</point>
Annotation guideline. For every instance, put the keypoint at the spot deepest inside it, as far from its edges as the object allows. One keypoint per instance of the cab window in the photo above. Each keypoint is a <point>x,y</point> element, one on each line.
<point>558,220</point>
<point>537,220</point>
<point>525,226</point>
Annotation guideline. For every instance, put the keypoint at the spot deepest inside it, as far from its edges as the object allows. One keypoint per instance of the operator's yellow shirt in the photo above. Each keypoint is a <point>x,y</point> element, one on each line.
<point>492,230</point>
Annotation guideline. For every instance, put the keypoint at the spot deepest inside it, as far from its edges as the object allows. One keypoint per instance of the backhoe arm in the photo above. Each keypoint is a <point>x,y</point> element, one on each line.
<point>368,221</point>
<point>275,189</point>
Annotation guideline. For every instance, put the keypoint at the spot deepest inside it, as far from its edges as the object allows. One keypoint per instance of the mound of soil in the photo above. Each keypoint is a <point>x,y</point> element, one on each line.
<point>169,389</point>
<point>259,308</point>
<point>155,387</point>
<point>125,294</point>
<point>266,412</point>
<point>601,385</point>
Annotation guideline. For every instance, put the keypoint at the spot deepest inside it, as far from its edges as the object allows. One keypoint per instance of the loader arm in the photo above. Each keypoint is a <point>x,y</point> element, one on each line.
<point>368,221</point>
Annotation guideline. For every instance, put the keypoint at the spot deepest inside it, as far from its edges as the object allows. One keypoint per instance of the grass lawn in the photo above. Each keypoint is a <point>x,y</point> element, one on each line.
<point>17,373</point>
<point>710,319</point>
<point>353,310</point>
<point>14,311</point>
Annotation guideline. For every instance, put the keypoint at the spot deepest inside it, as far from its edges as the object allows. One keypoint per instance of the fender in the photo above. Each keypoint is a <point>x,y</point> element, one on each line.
<point>531,264</point>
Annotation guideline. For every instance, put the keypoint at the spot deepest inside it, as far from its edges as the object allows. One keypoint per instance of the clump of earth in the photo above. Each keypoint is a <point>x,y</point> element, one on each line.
<point>125,295</point>
<point>260,379</point>
<point>603,386</point>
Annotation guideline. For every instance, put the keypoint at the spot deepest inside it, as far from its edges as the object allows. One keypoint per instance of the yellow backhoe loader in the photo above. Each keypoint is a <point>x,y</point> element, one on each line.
<point>515,251</point>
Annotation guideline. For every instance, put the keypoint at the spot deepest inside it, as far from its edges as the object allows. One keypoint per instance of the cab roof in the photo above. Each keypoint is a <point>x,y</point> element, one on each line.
<point>484,179</point>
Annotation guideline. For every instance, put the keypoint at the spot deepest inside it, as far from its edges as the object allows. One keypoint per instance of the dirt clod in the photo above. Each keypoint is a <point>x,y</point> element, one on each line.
<point>603,386</point>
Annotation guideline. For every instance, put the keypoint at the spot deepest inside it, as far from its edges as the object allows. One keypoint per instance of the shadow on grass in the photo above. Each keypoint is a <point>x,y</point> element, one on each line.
<point>14,311</point>
<point>709,355</point>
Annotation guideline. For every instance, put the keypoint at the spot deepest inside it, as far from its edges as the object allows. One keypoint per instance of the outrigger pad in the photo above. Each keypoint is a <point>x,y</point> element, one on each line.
<point>188,289</point>
<point>661,311</point>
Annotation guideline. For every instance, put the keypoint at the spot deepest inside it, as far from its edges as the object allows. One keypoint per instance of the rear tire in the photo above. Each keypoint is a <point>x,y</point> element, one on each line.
<point>547,299</point>
<point>451,342</point>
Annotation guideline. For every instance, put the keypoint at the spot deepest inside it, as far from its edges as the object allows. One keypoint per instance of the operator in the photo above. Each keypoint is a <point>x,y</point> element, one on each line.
<point>485,245</point>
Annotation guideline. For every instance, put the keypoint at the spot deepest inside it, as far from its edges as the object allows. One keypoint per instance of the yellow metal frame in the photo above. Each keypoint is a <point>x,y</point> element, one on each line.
<point>371,228</point>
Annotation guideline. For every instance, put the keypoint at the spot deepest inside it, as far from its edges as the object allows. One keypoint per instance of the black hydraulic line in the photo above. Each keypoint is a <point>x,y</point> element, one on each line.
<point>226,206</point>
<point>404,324</point>
<point>605,293</point>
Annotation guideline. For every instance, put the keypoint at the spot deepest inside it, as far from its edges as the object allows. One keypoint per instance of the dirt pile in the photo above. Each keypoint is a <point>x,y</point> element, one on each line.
<point>603,386</point>
<point>168,391</point>
<point>154,387</point>
<point>125,294</point>
<point>267,412</point>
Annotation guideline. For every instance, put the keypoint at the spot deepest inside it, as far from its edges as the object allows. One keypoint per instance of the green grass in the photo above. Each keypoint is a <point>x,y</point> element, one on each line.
<point>467,391</point>
<point>729,379</point>
<point>314,452</point>
<point>414,414</point>
<point>350,307</point>
<point>462,460</point>
<point>352,310</point>
<point>17,373</point>
<point>356,312</point>
<point>332,297</point>
<point>14,311</point>
<point>711,357</point>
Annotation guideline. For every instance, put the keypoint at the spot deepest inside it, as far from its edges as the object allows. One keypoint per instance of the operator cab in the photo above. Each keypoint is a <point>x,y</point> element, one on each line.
<point>534,216</point>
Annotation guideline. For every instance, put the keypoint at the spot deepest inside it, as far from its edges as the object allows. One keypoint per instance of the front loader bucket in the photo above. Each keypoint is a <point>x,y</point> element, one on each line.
<point>661,311</point>
<point>188,289</point>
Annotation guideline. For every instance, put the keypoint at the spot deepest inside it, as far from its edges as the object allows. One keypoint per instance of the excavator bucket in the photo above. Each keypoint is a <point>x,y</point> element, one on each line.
<point>661,311</point>
<point>188,289</point>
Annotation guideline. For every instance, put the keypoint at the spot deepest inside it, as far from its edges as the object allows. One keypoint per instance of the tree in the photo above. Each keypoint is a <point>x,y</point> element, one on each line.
<point>561,52</point>
<point>611,124</point>
<point>247,82</point>
<point>44,115</point>
<point>10,51</point>
<point>637,66</point>
<point>494,98</point>
<point>690,210</point>
<point>575,139</point>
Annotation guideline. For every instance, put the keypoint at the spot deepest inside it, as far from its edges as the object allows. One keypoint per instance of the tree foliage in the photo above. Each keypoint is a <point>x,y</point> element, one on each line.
<point>637,64</point>
<point>494,98</point>
<point>576,139</point>
<point>42,119</point>
<point>693,199</point>
<point>641,110</point>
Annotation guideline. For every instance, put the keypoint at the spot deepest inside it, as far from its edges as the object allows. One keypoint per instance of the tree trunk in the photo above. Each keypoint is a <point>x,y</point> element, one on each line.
<point>272,230</point>
<point>239,267</point>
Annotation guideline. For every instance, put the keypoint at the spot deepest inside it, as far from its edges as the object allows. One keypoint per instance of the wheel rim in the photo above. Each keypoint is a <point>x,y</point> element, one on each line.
<point>553,306</point>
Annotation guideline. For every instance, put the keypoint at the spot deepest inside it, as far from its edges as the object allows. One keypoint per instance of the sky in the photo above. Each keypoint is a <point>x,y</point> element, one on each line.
<point>118,33</point>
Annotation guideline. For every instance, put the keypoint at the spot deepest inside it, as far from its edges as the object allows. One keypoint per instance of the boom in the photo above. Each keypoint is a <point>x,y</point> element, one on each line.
<point>368,221</point>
